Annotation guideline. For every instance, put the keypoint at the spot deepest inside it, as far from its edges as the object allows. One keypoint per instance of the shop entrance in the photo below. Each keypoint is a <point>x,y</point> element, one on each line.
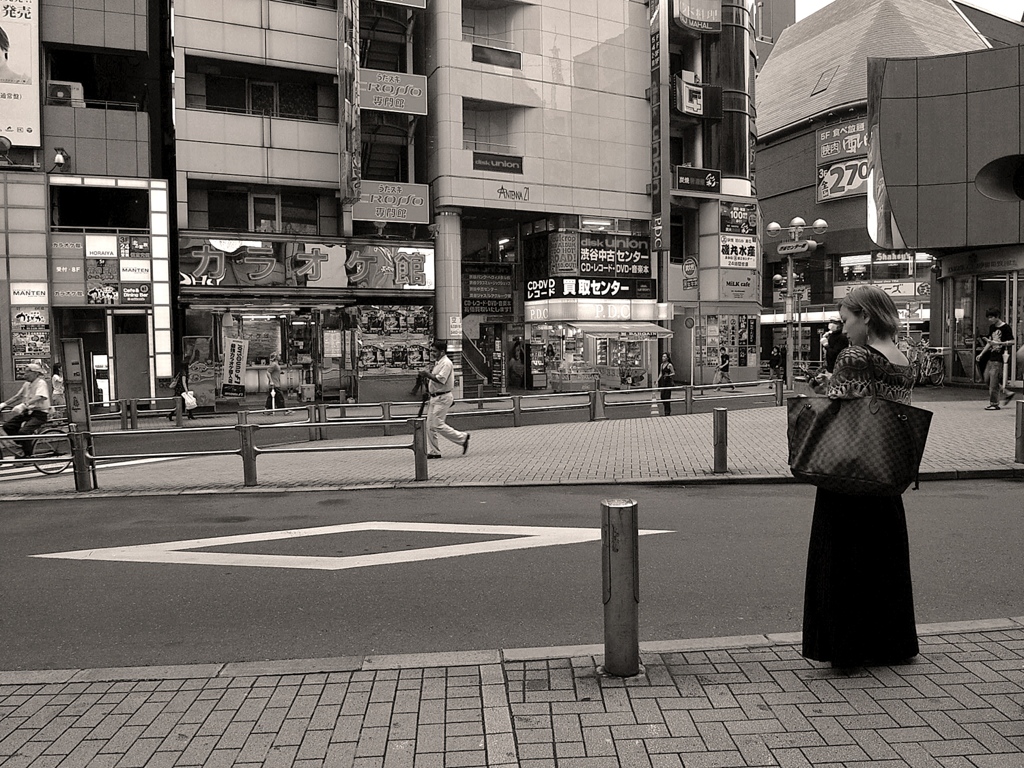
<point>131,356</point>
<point>966,304</point>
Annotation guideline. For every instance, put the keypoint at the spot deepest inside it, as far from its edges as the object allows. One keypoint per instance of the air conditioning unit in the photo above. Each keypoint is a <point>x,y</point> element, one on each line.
<point>65,92</point>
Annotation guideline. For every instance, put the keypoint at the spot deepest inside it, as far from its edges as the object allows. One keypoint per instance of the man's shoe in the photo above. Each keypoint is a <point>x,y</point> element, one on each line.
<point>992,407</point>
<point>433,455</point>
<point>1006,400</point>
<point>465,444</point>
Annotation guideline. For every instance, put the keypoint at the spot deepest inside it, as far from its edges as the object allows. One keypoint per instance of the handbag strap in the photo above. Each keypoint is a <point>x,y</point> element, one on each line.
<point>874,406</point>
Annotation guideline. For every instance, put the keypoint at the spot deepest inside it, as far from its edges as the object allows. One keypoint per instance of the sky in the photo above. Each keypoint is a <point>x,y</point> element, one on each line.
<point>1010,9</point>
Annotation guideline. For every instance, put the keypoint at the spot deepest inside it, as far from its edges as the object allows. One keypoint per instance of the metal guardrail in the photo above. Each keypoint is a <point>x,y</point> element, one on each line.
<point>318,422</point>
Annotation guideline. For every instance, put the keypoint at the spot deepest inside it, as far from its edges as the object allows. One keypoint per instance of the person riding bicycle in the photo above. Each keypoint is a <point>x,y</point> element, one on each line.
<point>33,408</point>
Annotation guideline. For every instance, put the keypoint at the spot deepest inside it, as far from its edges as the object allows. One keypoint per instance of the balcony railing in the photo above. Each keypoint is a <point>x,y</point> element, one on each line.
<point>488,146</point>
<point>129,106</point>
<point>490,42</point>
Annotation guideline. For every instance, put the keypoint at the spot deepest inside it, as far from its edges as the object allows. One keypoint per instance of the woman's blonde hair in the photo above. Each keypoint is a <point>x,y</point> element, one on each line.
<point>884,318</point>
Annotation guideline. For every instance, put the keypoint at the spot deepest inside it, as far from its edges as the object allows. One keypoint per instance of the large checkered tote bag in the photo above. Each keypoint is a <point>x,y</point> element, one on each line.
<point>864,447</point>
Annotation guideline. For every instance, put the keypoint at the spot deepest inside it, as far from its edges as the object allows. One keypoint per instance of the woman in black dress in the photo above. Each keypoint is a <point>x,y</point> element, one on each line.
<point>859,597</point>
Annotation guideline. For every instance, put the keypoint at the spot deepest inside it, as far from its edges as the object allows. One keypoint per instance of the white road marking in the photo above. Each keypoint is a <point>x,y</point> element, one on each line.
<point>183,552</point>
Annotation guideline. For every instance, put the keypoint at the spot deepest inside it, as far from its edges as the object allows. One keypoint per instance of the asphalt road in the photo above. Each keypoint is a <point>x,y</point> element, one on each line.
<point>732,563</point>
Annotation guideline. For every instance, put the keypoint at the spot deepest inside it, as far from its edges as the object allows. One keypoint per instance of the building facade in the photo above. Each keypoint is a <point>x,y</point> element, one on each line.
<point>814,143</point>
<point>967,211</point>
<point>559,193</point>
<point>84,204</point>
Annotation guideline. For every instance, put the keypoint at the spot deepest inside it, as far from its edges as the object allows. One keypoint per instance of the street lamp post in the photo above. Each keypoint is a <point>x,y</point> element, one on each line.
<point>793,246</point>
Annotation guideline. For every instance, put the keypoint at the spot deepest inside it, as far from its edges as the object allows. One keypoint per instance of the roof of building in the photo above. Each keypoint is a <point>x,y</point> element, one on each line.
<point>820,62</point>
<point>998,30</point>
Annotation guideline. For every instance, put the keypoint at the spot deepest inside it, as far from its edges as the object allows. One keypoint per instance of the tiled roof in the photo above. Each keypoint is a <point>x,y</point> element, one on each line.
<point>843,35</point>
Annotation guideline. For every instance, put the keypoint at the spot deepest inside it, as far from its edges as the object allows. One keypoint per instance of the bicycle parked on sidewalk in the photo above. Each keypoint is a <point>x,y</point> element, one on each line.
<point>51,452</point>
<point>929,367</point>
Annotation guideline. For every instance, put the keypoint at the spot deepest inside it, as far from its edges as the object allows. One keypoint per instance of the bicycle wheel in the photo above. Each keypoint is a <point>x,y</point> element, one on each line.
<point>52,454</point>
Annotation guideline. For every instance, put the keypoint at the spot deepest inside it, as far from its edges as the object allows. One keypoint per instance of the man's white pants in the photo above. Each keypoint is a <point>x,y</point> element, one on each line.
<point>437,412</point>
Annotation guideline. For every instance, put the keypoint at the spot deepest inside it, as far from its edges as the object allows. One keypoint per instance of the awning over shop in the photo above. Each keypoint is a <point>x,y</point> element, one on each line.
<point>626,331</point>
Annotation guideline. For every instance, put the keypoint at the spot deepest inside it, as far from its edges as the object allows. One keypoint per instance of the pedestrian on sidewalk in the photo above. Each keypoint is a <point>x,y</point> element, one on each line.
<point>442,381</point>
<point>180,386</point>
<point>993,357</point>
<point>665,375</point>
<point>859,598</point>
<point>722,371</point>
<point>775,362</point>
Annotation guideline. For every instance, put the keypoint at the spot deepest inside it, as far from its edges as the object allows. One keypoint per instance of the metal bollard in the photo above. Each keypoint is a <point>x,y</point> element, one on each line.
<point>247,440</point>
<point>133,412</point>
<point>620,570</point>
<point>85,479</point>
<point>386,415</point>
<point>721,439</point>
<point>1019,434</point>
<point>597,403</point>
<point>778,392</point>
<point>517,410</point>
<point>178,411</point>
<point>419,447</point>
<point>689,400</point>
<point>480,396</point>
<point>122,406</point>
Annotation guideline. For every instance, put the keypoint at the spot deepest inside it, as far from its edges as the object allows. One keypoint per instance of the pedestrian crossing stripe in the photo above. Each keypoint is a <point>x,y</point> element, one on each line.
<point>184,552</point>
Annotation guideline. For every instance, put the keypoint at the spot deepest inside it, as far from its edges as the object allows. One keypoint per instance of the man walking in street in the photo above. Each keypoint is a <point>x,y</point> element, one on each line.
<point>999,341</point>
<point>441,382</point>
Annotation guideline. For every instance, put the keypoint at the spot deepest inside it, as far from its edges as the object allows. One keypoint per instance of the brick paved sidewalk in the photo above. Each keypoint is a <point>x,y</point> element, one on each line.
<point>748,701</point>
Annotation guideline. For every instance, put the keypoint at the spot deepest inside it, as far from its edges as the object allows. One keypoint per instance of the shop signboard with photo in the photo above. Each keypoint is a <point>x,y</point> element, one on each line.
<point>101,269</point>
<point>358,267</point>
<point>738,218</point>
<point>30,332</point>
<point>19,83</point>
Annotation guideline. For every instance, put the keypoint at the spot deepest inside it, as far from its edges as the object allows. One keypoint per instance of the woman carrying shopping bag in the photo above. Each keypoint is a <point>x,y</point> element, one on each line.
<point>181,386</point>
<point>859,601</point>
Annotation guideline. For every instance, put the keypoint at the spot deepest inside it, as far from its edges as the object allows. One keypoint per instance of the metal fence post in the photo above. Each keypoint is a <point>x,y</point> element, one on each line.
<point>386,411</point>
<point>179,408</point>
<point>133,412</point>
<point>1019,434</point>
<point>689,400</point>
<point>247,444</point>
<point>419,447</point>
<point>621,586</point>
<point>597,403</point>
<point>321,417</point>
<point>122,406</point>
<point>778,392</point>
<point>517,410</point>
<point>721,439</point>
<point>314,432</point>
<point>84,476</point>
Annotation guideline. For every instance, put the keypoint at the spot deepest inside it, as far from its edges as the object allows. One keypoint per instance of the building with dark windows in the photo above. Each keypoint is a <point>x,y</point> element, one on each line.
<point>815,138</point>
<point>85,210</point>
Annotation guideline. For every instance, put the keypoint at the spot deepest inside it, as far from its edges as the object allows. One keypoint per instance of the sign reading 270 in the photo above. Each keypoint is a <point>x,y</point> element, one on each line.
<point>843,179</point>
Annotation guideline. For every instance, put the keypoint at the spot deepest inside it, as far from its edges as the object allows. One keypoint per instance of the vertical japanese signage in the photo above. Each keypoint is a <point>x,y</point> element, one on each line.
<point>234,368</point>
<point>661,168</point>
<point>19,72</point>
<point>349,126</point>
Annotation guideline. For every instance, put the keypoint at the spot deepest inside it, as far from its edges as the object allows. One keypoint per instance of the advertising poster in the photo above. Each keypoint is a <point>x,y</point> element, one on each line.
<point>394,339</point>
<point>563,253</point>
<point>19,70</point>
<point>234,368</point>
<point>30,332</point>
